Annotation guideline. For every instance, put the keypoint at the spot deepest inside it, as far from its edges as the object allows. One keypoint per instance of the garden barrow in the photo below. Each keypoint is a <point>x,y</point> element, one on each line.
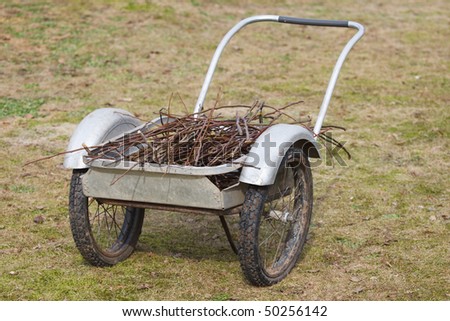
<point>274,194</point>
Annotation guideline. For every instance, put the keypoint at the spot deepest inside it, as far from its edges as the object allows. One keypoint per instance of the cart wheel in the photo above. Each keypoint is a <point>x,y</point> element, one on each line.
<point>275,221</point>
<point>104,234</point>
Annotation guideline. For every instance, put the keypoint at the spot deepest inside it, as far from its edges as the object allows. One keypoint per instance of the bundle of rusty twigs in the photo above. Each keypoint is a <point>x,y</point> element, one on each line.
<point>204,139</point>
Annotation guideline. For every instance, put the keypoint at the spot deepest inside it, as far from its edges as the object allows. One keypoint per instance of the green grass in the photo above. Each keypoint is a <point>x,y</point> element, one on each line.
<point>380,226</point>
<point>21,188</point>
<point>19,107</point>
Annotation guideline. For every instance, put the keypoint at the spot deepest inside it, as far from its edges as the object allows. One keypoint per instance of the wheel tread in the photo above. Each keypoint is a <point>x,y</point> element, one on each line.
<point>249,228</point>
<point>81,232</point>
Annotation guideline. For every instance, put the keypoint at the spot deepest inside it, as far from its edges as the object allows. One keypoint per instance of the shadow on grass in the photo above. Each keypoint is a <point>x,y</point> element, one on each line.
<point>191,236</point>
<point>195,237</point>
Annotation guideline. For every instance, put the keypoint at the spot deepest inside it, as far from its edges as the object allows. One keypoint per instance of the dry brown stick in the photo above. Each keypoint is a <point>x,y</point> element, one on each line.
<point>334,126</point>
<point>170,103</point>
<point>238,127</point>
<point>277,111</point>
<point>199,142</point>
<point>225,107</point>
<point>216,102</point>
<point>247,135</point>
<point>182,102</point>
<point>292,104</point>
<point>55,155</point>
<point>334,142</point>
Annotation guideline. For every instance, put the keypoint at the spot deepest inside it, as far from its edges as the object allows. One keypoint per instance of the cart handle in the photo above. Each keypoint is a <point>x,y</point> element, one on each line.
<point>290,20</point>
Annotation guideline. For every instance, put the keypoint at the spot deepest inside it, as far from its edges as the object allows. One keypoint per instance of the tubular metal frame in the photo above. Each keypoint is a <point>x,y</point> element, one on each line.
<point>309,22</point>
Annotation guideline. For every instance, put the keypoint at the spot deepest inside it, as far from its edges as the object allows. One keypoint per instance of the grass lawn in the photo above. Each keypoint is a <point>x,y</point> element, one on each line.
<point>381,223</point>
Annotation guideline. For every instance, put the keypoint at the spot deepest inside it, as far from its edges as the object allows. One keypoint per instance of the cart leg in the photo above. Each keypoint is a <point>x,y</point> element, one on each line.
<point>228,234</point>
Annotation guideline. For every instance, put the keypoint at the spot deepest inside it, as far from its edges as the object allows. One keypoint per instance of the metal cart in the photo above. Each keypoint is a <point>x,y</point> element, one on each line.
<point>274,196</point>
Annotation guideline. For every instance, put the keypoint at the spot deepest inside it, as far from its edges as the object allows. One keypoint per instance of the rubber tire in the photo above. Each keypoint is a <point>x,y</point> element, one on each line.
<point>251,213</point>
<point>81,228</point>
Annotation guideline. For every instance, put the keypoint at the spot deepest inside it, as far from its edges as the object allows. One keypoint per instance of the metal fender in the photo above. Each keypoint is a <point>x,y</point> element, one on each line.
<point>96,128</point>
<point>266,154</point>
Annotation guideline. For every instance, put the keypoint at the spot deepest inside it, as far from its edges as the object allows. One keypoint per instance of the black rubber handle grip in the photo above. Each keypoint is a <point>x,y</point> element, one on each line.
<point>313,22</point>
